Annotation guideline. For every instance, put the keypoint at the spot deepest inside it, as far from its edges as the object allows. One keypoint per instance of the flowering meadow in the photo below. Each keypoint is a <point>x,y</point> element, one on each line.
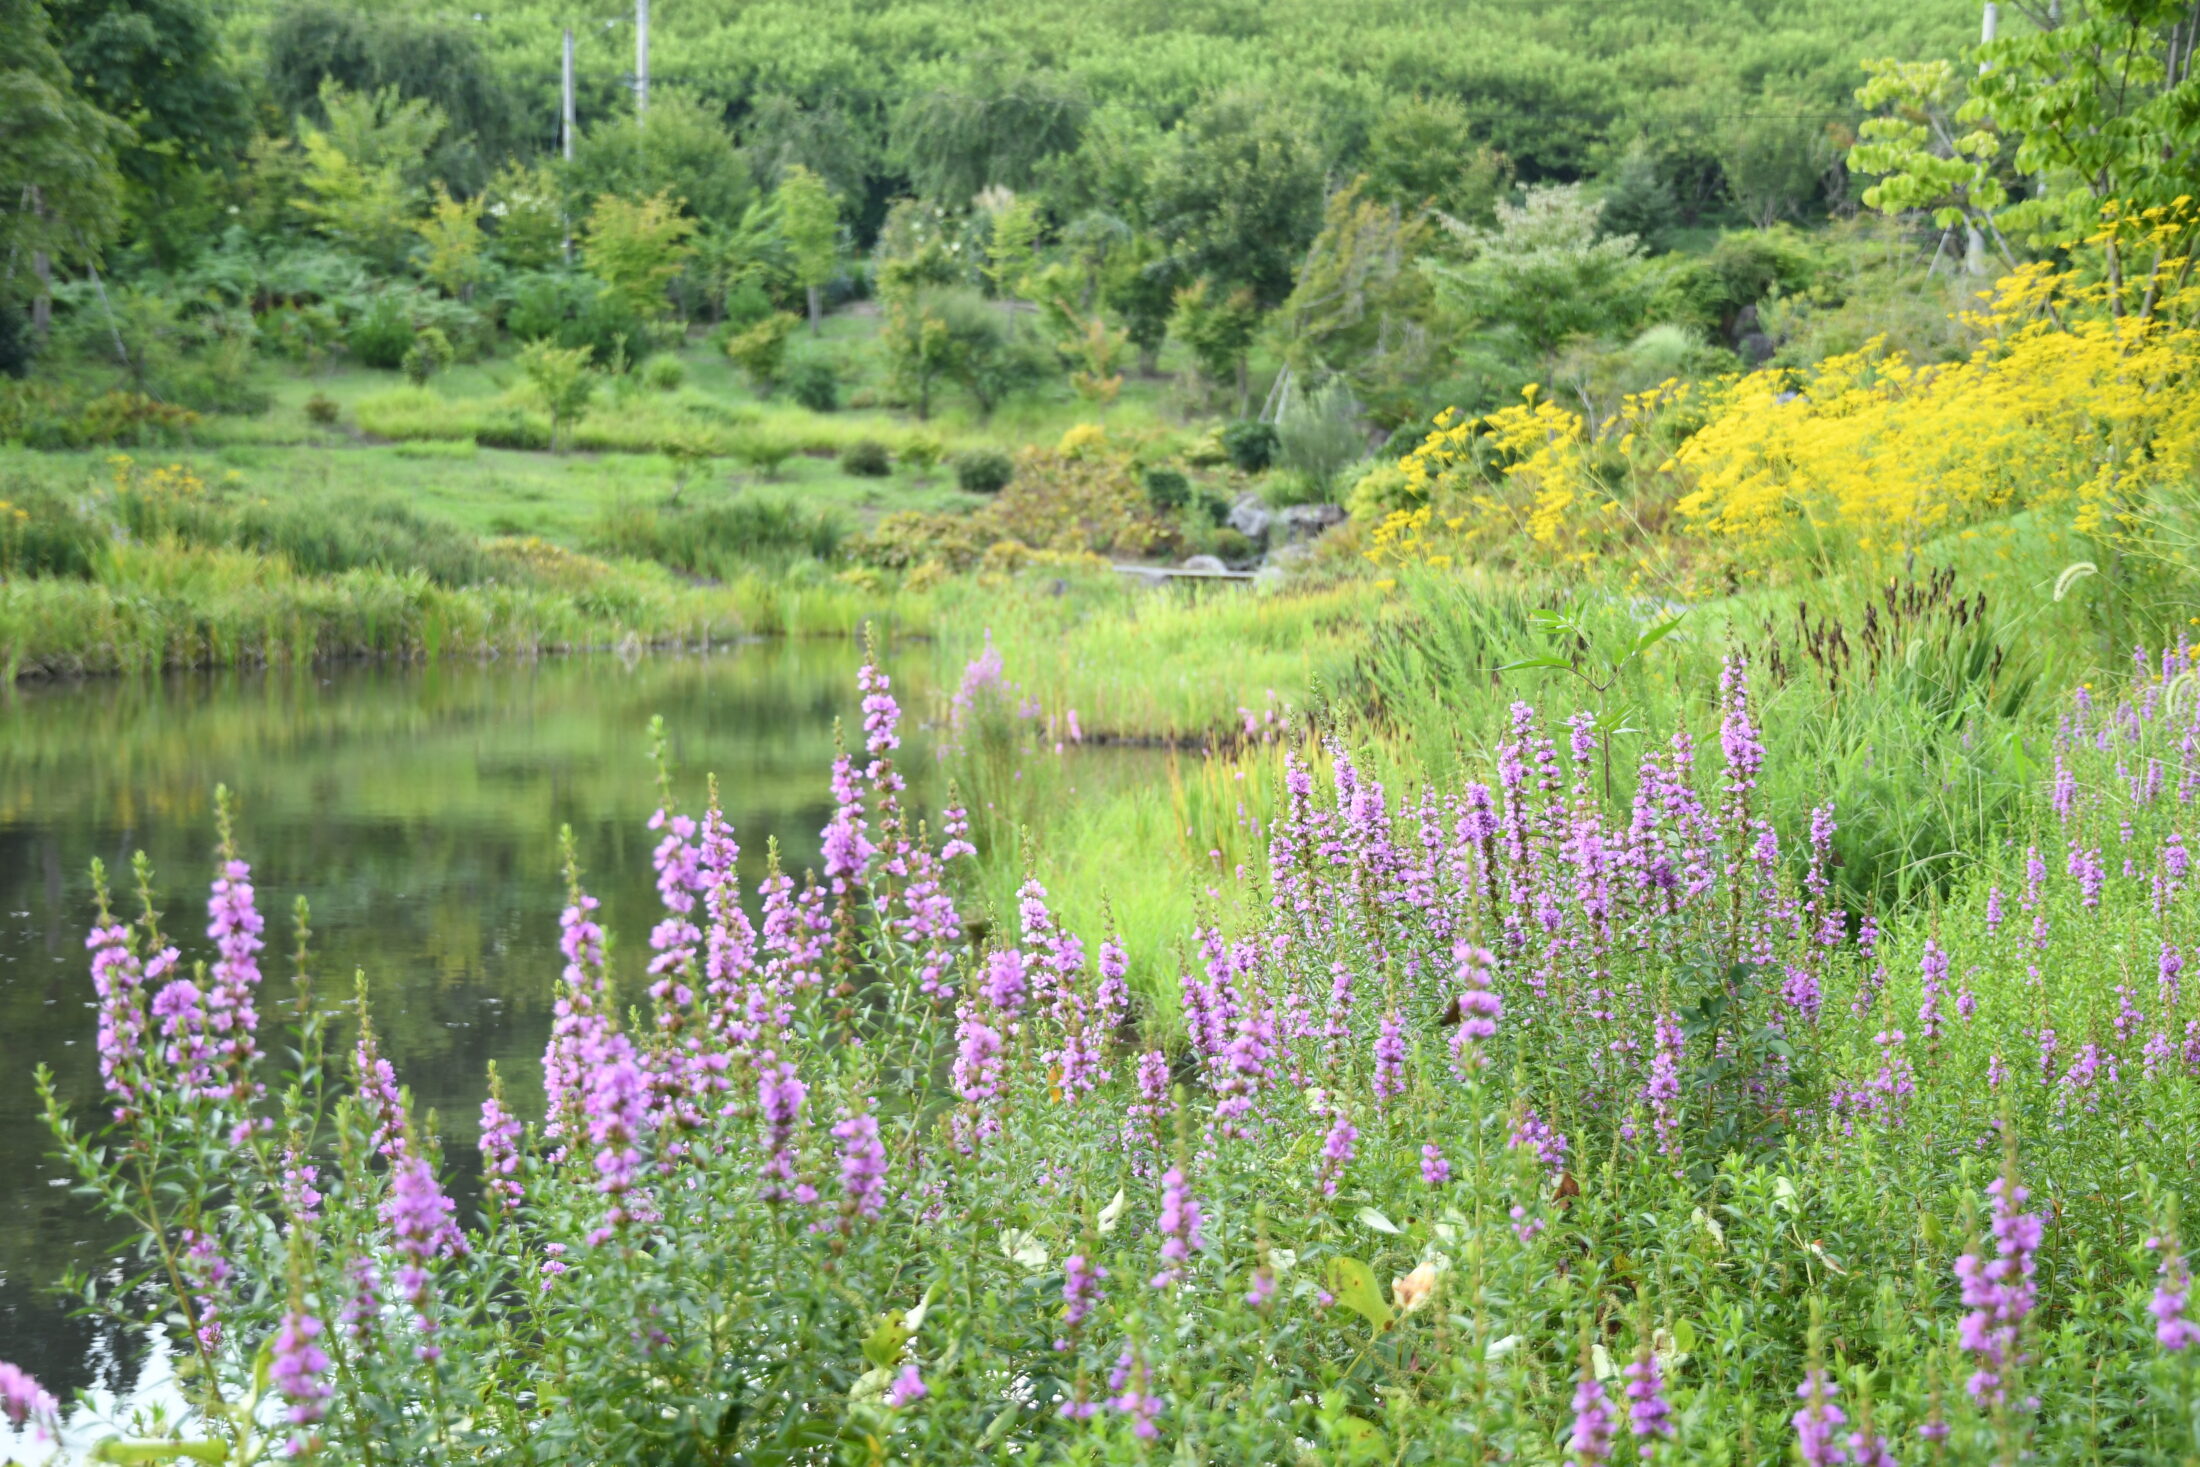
<point>1522,1122</point>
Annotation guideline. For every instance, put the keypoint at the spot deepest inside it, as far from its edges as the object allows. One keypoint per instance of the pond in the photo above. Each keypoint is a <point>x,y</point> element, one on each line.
<point>417,810</point>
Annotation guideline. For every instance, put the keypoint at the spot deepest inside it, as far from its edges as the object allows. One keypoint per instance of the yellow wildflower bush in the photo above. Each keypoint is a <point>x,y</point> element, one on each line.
<point>2074,405</point>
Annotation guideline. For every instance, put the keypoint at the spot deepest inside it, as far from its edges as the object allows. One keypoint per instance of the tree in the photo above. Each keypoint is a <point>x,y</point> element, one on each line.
<point>993,128</point>
<point>1219,328</point>
<point>157,65</point>
<point>679,148</point>
<point>1361,306</point>
<point>1545,272</point>
<point>1417,158</point>
<point>809,221</point>
<point>1237,194</point>
<point>529,217</point>
<point>452,243</point>
<point>424,57</point>
<point>59,188</point>
<point>1140,285</point>
<point>1638,198</point>
<point>761,350</point>
<point>561,379</point>
<point>780,134</point>
<point>1012,249</point>
<point>1776,161</point>
<point>361,174</point>
<point>935,334</point>
<point>636,248</point>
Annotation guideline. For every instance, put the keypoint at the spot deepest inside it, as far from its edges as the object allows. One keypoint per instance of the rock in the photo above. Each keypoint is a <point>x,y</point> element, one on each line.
<point>1309,521</point>
<point>1251,517</point>
<point>1206,564</point>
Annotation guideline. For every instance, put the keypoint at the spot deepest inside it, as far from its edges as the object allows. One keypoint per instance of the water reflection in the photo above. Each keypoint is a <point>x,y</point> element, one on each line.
<point>417,811</point>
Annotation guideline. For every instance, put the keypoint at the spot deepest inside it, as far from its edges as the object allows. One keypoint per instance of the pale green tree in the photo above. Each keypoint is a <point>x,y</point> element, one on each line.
<point>809,222</point>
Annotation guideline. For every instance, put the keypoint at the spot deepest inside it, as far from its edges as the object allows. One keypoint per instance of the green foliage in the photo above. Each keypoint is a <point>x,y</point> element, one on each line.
<point>382,334</point>
<point>1362,305</point>
<point>1544,272</point>
<point>1416,159</point>
<point>419,56</point>
<point>1251,444</point>
<point>813,383</point>
<point>1638,197</point>
<point>429,354</point>
<point>867,458</point>
<point>664,373</point>
<point>984,471</point>
<point>57,151</point>
<point>1168,489</point>
<point>1236,194</point>
<point>452,243</point>
<point>1219,328</point>
<point>561,380</point>
<point>938,335</point>
<point>992,127</point>
<point>572,310</point>
<point>160,66</point>
<point>809,221</point>
<point>678,151</point>
<point>636,248</point>
<point>322,410</point>
<point>1319,435</point>
<point>720,539</point>
<point>526,213</point>
<point>362,174</point>
<point>761,350</point>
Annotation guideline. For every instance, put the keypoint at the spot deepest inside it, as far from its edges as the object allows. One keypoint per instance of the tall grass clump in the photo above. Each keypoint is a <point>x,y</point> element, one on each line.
<point>1513,1115</point>
<point>721,538</point>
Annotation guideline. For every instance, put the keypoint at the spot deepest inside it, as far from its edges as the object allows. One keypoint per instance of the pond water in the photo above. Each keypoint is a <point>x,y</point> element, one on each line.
<point>417,810</point>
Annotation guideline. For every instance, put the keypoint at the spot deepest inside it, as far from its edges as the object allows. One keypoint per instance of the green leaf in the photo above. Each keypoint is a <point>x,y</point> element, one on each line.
<point>883,1345</point>
<point>1657,634</point>
<point>1374,1218</point>
<point>1353,1284</point>
<point>1528,662</point>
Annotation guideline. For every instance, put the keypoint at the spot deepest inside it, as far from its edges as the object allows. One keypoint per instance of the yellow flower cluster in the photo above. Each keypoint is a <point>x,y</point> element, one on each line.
<point>2074,403</point>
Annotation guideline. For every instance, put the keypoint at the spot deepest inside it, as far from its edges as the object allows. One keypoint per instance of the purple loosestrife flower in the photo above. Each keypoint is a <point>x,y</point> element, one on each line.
<point>976,1077</point>
<point>1526,1226</point>
<point>580,1017</point>
<point>862,1164</point>
<point>1479,1007</point>
<point>1081,1293</point>
<point>1435,1170</point>
<point>1590,1441</point>
<point>24,1401</point>
<point>1338,1149</point>
<point>363,1307</point>
<point>908,1388</point>
<point>845,843</point>
<point>2167,989</point>
<point>1532,1133</point>
<point>676,940</point>
<point>779,1097</point>
<point>1390,1058</point>
<point>617,1113</point>
<point>207,1272</point>
<point>187,1052</point>
<point>1662,1092</point>
<point>1818,1423</point>
<point>1179,1228</point>
<point>1004,984</point>
<point>119,980</point>
<point>1649,1414</point>
<point>235,925</point>
<point>500,1133</point>
<point>2173,1326</point>
<point>419,1219</point>
<point>1933,972</point>
<point>1999,1293</point>
<point>1130,1380</point>
<point>301,1197</point>
<point>300,1368</point>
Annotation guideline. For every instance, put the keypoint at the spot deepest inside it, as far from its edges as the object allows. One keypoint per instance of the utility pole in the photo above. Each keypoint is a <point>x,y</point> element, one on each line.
<point>641,57</point>
<point>565,110</point>
<point>1974,240</point>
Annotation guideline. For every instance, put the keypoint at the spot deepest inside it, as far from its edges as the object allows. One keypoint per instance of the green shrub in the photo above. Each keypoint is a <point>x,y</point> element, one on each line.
<point>923,452</point>
<point>1168,489</point>
<point>812,382</point>
<point>429,354</point>
<point>321,410</point>
<point>719,540</point>
<point>42,533</point>
<point>761,350</point>
<point>1251,444</point>
<point>664,373</point>
<point>984,471</point>
<point>1214,507</point>
<point>381,334</point>
<point>1320,436</point>
<point>506,426</point>
<point>570,310</point>
<point>866,458</point>
<point>18,347</point>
